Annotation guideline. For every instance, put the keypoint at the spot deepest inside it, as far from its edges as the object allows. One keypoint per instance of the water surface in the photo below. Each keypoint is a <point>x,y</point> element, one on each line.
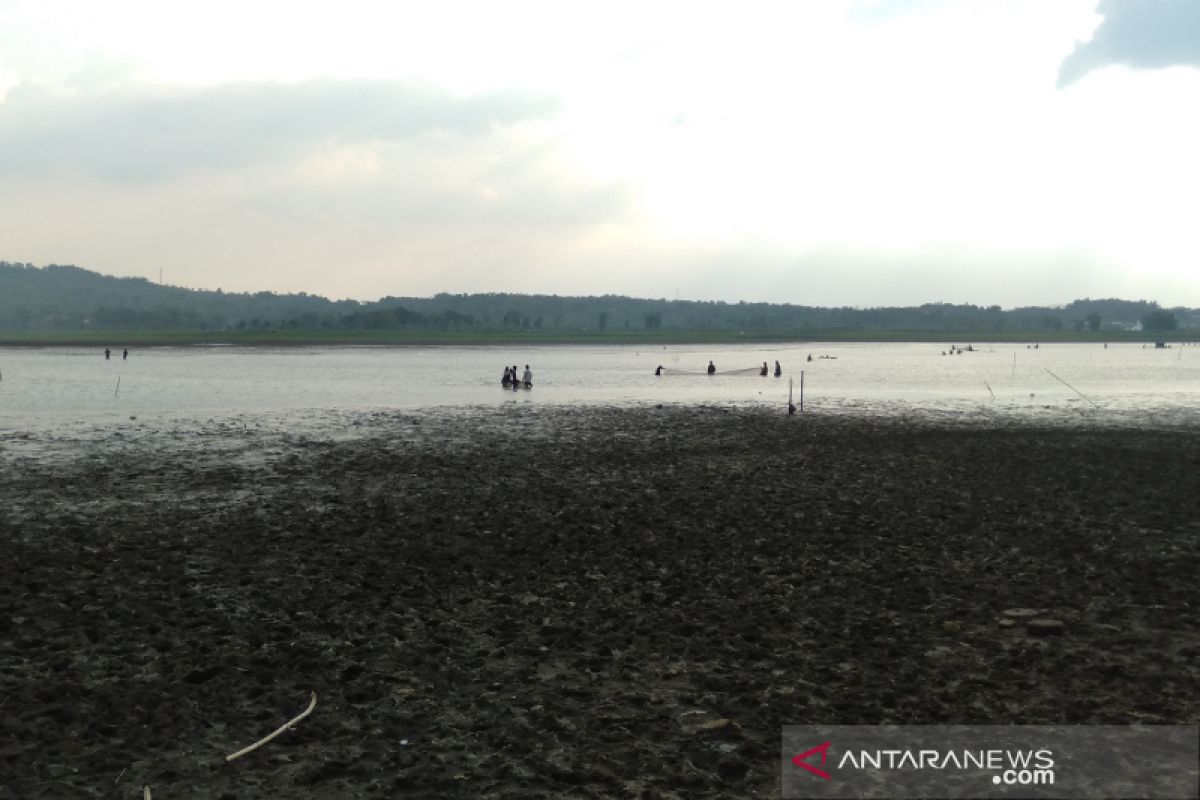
<point>46,390</point>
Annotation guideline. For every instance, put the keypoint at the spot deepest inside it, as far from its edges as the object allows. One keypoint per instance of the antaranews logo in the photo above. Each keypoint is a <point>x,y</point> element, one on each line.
<point>1008,767</point>
<point>1011,767</point>
<point>1100,762</point>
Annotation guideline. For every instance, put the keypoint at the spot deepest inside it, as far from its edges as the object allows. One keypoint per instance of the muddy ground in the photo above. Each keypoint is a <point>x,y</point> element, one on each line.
<point>575,603</point>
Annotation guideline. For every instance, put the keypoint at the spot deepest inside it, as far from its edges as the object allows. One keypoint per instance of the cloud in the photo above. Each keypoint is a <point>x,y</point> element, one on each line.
<point>1143,34</point>
<point>501,209</point>
<point>146,135</point>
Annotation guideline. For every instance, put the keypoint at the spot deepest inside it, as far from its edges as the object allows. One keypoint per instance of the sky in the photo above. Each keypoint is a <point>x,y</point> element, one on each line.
<point>820,152</point>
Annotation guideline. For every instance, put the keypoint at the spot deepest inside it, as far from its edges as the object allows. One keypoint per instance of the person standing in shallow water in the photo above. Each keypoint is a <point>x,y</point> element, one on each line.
<point>763,371</point>
<point>107,354</point>
<point>778,369</point>
<point>516,382</point>
<point>125,354</point>
<point>528,377</point>
<point>712,368</point>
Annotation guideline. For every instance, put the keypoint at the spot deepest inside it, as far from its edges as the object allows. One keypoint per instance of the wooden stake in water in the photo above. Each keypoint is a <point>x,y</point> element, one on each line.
<point>993,394</point>
<point>1072,388</point>
<point>118,389</point>
<point>801,390</point>
<point>1014,372</point>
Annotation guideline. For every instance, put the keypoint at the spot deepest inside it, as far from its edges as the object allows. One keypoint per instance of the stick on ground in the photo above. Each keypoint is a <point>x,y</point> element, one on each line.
<point>311,705</point>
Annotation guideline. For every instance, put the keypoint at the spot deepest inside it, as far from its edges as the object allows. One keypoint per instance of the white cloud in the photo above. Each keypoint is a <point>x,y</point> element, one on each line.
<point>146,134</point>
<point>617,147</point>
<point>1143,34</point>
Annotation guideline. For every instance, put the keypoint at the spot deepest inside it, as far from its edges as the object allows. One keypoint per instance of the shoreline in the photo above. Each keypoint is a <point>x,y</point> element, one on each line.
<point>1188,338</point>
<point>595,602</point>
<point>62,433</point>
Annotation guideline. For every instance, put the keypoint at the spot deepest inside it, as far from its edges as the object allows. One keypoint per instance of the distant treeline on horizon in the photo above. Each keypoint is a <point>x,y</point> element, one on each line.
<point>67,298</point>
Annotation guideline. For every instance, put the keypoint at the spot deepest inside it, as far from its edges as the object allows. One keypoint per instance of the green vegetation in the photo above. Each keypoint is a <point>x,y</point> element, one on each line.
<point>285,338</point>
<point>68,305</point>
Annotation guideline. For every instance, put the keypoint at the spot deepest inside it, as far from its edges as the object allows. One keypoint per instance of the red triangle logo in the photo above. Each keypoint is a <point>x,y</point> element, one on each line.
<point>802,760</point>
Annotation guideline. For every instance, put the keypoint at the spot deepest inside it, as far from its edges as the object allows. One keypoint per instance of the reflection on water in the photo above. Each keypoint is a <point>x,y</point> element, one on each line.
<point>61,389</point>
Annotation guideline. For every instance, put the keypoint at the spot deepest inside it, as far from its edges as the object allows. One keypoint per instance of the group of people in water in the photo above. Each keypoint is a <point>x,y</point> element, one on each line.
<point>712,369</point>
<point>124,354</point>
<point>513,380</point>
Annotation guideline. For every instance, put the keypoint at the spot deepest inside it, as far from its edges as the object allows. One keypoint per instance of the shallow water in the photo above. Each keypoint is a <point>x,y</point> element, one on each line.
<point>49,393</point>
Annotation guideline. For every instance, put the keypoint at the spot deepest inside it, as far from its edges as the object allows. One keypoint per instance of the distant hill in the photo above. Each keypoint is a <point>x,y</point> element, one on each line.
<point>67,298</point>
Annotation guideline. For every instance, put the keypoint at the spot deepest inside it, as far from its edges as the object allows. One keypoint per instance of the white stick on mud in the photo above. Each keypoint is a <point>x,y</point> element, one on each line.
<point>311,705</point>
<point>146,792</point>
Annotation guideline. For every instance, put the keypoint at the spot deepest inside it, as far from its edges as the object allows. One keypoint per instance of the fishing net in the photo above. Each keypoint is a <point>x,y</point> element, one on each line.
<point>746,371</point>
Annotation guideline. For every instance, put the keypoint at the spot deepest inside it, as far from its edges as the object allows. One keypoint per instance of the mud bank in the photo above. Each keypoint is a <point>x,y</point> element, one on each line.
<point>590,603</point>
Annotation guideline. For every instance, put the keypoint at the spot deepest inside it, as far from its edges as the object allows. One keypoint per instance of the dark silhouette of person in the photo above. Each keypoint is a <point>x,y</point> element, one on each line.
<point>125,354</point>
<point>764,370</point>
<point>712,369</point>
<point>658,370</point>
<point>516,382</point>
<point>107,354</point>
<point>778,369</point>
<point>810,356</point>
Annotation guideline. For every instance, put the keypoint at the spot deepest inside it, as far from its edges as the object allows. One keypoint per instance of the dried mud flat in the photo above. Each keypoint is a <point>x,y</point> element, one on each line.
<point>584,603</point>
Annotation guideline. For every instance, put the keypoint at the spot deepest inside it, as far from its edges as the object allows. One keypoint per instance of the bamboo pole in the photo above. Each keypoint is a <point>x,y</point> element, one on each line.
<point>1072,388</point>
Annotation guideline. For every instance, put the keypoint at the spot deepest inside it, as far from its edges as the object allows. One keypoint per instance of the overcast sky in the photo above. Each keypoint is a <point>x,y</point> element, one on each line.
<point>830,152</point>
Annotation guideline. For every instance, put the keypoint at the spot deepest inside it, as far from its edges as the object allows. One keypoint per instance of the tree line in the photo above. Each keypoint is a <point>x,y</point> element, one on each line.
<point>68,298</point>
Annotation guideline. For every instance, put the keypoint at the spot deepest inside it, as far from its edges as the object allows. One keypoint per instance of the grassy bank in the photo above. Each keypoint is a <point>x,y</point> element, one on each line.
<point>118,339</point>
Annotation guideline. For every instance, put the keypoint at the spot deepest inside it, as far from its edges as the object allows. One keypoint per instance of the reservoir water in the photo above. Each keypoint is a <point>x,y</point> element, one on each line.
<point>44,390</point>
